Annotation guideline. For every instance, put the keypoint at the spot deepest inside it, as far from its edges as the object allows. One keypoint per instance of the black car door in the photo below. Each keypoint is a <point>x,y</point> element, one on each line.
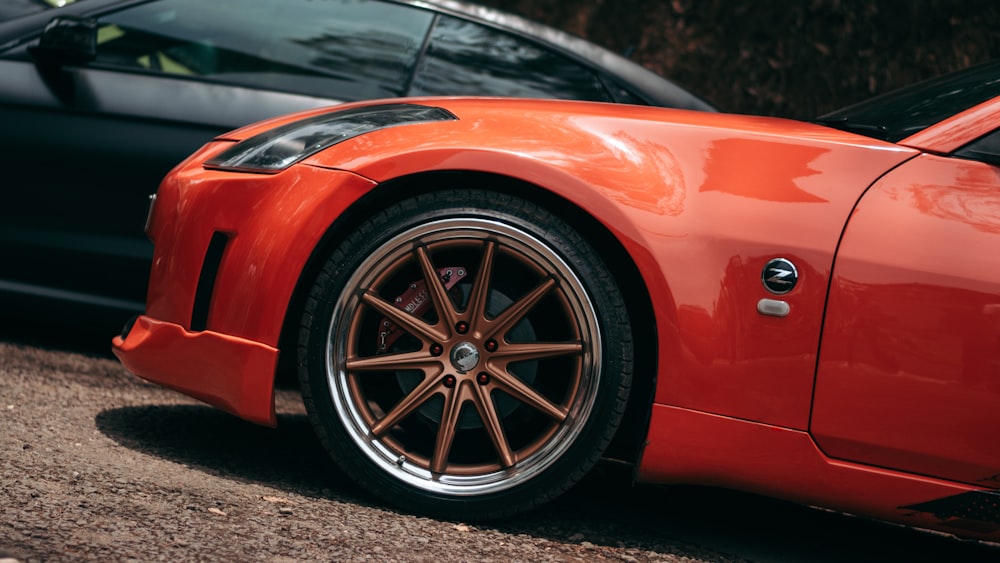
<point>87,144</point>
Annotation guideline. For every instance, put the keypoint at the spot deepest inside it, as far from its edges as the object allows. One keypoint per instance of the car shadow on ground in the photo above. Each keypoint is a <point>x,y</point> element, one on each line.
<point>604,509</point>
<point>287,457</point>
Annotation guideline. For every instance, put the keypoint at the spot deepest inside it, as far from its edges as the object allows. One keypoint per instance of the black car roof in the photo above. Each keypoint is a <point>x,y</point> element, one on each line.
<point>652,87</point>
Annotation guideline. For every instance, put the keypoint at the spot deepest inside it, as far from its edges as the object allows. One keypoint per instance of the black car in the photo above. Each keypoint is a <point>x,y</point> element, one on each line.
<point>99,99</point>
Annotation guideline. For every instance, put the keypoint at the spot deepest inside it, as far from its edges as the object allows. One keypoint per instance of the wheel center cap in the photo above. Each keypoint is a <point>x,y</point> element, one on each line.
<point>464,356</point>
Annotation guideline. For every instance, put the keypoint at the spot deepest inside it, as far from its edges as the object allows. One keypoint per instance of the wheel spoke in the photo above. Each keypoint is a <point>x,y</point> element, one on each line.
<point>511,353</point>
<point>524,393</point>
<point>420,395</point>
<point>439,295</point>
<point>454,398</point>
<point>491,421</point>
<point>393,362</point>
<point>520,308</point>
<point>413,325</point>
<point>479,295</point>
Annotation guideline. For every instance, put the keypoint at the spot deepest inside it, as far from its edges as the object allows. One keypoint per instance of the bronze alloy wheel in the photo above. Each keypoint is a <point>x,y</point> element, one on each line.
<point>462,358</point>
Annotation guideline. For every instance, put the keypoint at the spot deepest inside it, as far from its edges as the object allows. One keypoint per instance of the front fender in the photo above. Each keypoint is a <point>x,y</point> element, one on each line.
<point>701,204</point>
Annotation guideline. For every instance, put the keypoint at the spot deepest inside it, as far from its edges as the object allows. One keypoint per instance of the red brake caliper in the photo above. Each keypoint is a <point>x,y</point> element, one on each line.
<point>415,301</point>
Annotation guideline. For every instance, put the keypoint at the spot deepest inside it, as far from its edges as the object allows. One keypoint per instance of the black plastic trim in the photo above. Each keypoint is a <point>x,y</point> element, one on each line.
<point>206,281</point>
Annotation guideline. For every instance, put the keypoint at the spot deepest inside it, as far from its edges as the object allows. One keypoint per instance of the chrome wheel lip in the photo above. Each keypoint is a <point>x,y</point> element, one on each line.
<point>380,452</point>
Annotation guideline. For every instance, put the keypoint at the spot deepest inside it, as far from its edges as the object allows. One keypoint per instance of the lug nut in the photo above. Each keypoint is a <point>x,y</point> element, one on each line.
<point>449,381</point>
<point>462,327</point>
<point>491,345</point>
<point>437,349</point>
<point>483,378</point>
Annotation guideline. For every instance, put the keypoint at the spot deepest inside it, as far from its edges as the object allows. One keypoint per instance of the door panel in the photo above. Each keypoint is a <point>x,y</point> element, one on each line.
<point>909,371</point>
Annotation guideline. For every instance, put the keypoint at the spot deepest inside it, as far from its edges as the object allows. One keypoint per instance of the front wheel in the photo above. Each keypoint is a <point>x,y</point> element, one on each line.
<point>465,354</point>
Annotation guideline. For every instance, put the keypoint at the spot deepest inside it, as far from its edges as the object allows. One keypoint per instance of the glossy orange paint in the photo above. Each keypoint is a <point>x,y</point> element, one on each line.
<point>699,233</point>
<point>700,202</point>
<point>957,131</point>
<point>274,223</point>
<point>908,374</point>
<point>233,374</point>
<point>688,446</point>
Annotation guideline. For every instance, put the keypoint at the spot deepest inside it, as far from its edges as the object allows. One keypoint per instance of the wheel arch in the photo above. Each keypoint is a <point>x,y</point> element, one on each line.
<point>631,434</point>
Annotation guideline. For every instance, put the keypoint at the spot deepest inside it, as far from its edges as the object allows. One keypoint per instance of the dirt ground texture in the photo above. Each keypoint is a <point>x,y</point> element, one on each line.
<point>798,59</point>
<point>97,465</point>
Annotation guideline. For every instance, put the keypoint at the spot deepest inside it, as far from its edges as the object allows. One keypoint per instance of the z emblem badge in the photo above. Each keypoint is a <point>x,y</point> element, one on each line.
<point>779,276</point>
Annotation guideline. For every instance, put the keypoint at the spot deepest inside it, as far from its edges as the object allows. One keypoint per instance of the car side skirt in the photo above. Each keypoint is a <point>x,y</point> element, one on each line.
<point>693,447</point>
<point>233,374</point>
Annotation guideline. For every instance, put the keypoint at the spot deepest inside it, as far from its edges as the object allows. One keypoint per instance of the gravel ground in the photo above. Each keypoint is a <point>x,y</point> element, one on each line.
<point>96,465</point>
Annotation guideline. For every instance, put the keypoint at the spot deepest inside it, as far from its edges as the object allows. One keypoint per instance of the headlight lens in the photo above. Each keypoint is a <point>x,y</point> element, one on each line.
<point>279,148</point>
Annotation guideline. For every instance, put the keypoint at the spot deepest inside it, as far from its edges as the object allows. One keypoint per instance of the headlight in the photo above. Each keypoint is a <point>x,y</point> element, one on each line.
<point>283,146</point>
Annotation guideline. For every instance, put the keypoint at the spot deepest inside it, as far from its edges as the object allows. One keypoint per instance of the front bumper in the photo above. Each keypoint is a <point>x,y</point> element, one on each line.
<point>231,373</point>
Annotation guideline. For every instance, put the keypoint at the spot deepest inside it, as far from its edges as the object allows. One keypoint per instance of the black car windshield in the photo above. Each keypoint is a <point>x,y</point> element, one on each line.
<point>898,114</point>
<point>11,9</point>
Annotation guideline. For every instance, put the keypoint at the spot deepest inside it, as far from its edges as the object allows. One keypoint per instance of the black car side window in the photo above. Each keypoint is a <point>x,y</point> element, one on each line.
<point>344,49</point>
<point>466,58</point>
<point>986,149</point>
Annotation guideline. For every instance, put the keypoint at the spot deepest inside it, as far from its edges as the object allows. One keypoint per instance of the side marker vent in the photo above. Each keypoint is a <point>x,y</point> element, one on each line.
<point>206,281</point>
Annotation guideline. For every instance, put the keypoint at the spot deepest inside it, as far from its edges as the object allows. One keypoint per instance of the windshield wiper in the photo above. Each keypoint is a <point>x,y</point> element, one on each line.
<point>844,124</point>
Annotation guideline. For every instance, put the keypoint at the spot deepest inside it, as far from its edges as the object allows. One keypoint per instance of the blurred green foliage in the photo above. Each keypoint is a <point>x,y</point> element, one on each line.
<point>794,58</point>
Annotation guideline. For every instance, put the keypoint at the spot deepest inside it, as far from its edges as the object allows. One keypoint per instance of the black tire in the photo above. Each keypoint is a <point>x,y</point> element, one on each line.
<point>452,398</point>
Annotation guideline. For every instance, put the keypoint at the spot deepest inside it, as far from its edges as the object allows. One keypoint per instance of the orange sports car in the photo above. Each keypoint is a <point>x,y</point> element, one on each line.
<point>483,297</point>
